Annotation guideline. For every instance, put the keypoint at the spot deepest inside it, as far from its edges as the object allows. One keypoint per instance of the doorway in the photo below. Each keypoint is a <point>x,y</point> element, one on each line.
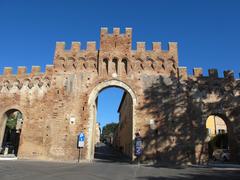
<point>11,127</point>
<point>217,136</point>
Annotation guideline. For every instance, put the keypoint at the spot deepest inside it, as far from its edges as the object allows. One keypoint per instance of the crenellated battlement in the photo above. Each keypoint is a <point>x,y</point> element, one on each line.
<point>7,71</point>
<point>157,47</point>
<point>198,73</point>
<point>75,48</point>
<point>115,41</point>
<point>22,71</point>
<point>12,83</point>
<point>115,57</point>
<point>116,48</point>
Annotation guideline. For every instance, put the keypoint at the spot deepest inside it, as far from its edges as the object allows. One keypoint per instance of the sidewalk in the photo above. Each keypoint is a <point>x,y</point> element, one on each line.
<point>8,157</point>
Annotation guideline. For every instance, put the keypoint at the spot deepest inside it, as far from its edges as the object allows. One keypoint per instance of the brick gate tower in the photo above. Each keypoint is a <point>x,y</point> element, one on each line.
<point>169,107</point>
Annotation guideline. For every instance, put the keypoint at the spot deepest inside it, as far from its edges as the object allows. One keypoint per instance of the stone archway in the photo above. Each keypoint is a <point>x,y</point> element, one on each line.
<point>10,130</point>
<point>92,110</point>
<point>217,134</point>
<point>231,136</point>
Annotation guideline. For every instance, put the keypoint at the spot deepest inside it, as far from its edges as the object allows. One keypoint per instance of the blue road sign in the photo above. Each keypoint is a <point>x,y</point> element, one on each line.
<point>81,139</point>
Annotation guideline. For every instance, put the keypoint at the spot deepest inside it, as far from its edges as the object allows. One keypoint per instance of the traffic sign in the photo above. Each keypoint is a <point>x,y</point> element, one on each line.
<point>81,139</point>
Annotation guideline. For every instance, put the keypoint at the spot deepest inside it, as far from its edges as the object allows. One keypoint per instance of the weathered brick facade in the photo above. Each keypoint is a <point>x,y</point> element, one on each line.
<point>162,92</point>
<point>123,134</point>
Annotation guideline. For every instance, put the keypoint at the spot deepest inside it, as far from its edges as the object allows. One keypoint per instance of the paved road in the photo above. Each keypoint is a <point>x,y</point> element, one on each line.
<point>26,170</point>
<point>107,167</point>
<point>104,152</point>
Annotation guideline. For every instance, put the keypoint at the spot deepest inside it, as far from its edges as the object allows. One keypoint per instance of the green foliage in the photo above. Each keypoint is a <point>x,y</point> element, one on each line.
<point>109,128</point>
<point>12,120</point>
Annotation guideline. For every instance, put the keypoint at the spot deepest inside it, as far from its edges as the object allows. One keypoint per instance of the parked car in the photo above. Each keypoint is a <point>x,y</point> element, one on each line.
<point>221,154</point>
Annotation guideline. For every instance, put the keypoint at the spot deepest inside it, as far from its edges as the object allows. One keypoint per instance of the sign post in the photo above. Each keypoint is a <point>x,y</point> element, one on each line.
<point>80,145</point>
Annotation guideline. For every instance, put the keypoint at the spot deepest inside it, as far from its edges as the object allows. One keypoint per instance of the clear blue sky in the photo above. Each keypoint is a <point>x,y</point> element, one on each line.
<point>108,102</point>
<point>208,31</point>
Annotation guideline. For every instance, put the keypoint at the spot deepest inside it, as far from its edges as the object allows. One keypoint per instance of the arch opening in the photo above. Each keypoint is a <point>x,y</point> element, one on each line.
<point>105,66</point>
<point>115,65</point>
<point>125,66</point>
<point>218,138</point>
<point>115,141</point>
<point>11,127</point>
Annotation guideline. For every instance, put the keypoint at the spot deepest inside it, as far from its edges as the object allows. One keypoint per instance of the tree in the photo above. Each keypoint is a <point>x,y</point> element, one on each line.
<point>109,129</point>
<point>12,122</point>
<point>12,119</point>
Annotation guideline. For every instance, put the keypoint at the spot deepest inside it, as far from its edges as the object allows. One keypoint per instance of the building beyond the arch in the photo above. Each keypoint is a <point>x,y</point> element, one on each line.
<point>170,112</point>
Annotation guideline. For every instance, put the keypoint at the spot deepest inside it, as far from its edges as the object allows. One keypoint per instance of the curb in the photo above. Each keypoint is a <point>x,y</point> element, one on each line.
<point>8,159</point>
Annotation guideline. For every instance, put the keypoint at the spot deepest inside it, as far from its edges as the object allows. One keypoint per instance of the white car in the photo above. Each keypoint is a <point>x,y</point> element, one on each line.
<point>221,154</point>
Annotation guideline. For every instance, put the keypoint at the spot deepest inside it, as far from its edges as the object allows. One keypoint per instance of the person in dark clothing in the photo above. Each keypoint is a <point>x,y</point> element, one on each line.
<point>138,146</point>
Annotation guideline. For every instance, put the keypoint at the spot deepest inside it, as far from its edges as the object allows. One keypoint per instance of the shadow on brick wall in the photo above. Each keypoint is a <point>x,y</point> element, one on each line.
<point>180,110</point>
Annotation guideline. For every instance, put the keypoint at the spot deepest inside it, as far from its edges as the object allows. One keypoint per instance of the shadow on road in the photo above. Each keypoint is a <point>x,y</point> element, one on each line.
<point>211,176</point>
